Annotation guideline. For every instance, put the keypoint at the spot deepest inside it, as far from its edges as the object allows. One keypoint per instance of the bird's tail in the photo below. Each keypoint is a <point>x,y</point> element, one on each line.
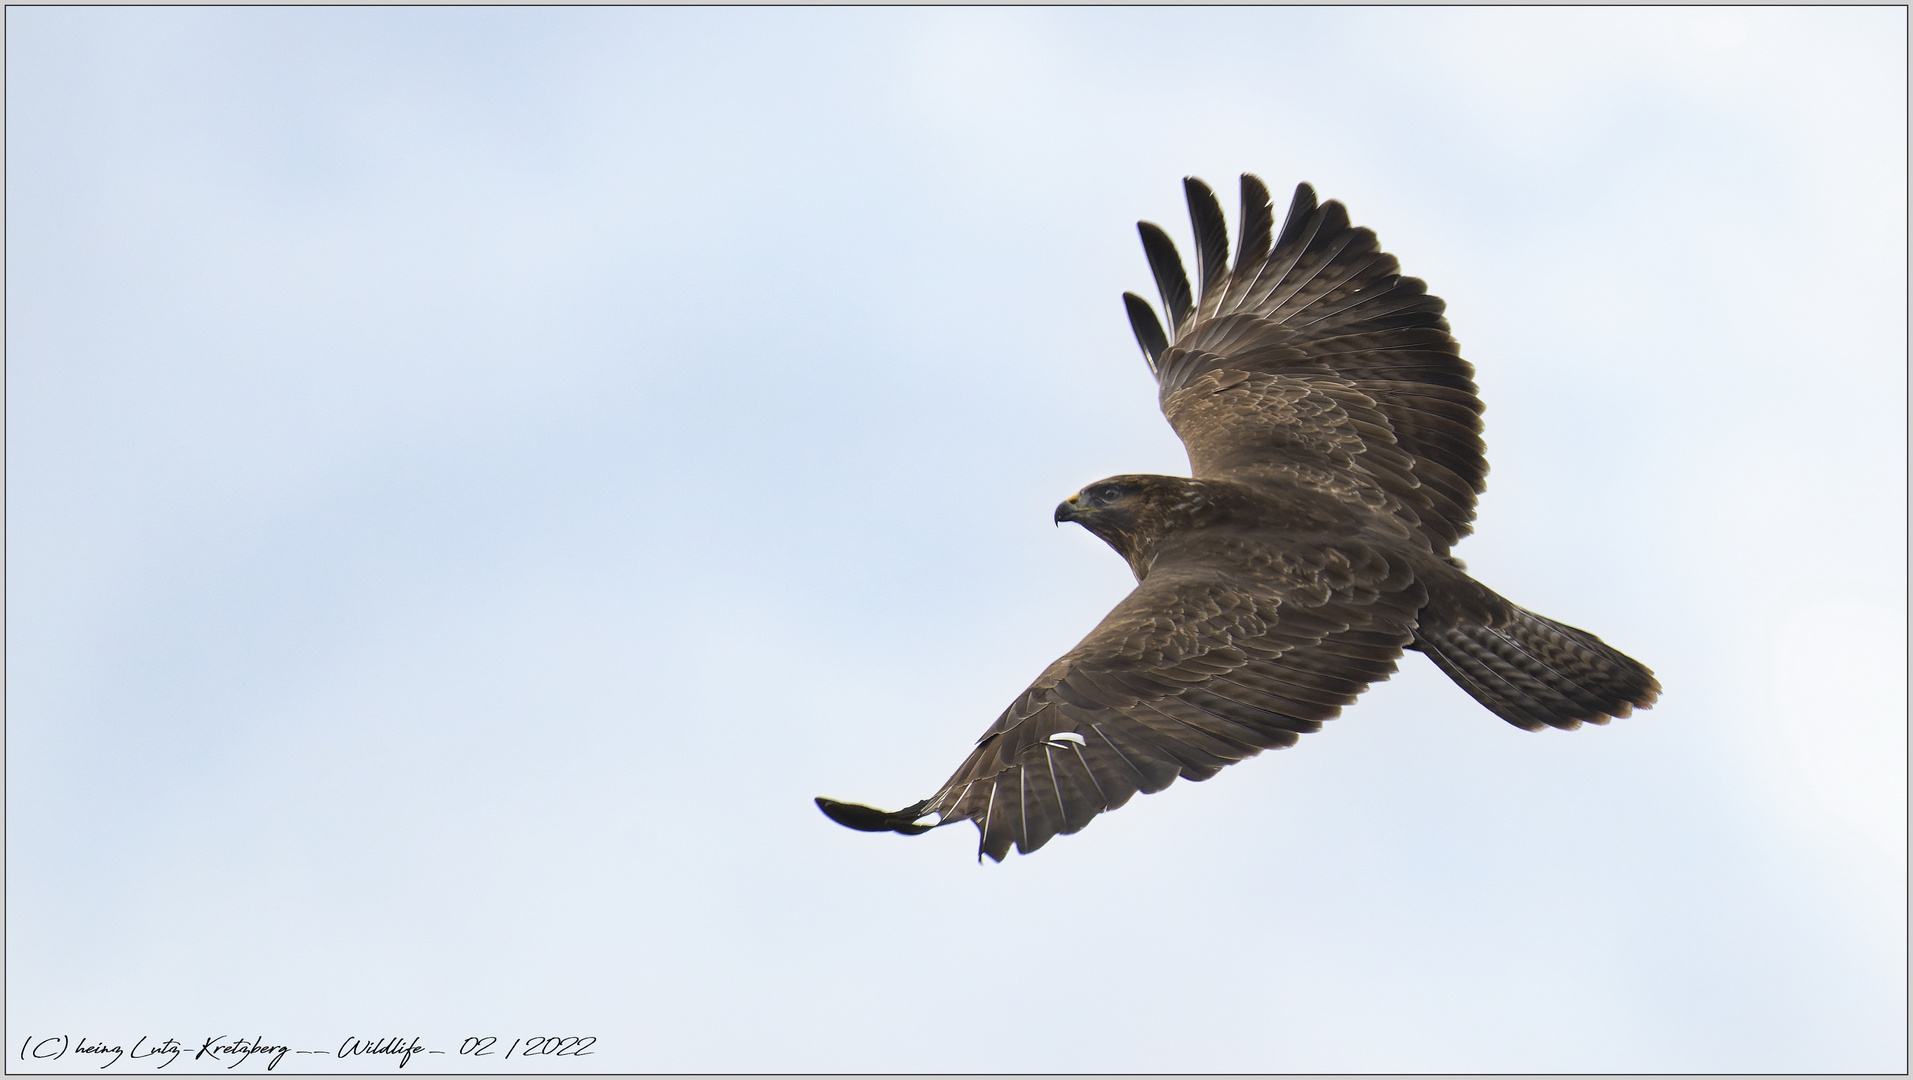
<point>1534,672</point>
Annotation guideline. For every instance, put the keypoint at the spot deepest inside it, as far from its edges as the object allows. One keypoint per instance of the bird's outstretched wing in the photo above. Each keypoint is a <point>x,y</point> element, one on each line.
<point>1315,327</point>
<point>1198,668</point>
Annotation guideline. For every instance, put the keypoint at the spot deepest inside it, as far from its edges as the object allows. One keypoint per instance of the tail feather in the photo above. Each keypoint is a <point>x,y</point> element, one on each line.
<point>1534,672</point>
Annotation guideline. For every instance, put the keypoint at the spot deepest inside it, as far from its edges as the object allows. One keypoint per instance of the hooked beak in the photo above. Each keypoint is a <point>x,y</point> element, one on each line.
<point>1070,509</point>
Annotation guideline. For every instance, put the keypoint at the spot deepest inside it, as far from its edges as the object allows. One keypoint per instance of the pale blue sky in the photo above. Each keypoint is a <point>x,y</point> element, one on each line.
<point>473,475</point>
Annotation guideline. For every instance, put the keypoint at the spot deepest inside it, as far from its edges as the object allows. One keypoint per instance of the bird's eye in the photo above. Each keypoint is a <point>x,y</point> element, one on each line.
<point>1109,494</point>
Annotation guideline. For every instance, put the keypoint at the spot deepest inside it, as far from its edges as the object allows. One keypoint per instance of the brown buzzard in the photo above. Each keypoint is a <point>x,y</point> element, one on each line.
<point>1335,453</point>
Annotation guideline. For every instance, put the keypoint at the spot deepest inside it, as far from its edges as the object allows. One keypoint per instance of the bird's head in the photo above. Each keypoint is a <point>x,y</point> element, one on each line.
<point>1133,513</point>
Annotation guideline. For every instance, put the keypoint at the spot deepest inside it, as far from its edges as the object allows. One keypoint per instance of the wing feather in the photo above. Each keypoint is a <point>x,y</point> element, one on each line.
<point>1142,319</point>
<point>1171,281</point>
<point>1194,671</point>
<point>1212,244</point>
<point>1297,227</point>
<point>1319,308</point>
<point>1252,250</point>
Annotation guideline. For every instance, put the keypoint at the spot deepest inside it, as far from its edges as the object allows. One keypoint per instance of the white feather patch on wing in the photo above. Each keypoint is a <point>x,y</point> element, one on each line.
<point>1062,737</point>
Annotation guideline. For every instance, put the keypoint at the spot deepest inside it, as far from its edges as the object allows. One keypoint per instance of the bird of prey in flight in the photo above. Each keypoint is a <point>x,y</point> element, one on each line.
<point>1335,454</point>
